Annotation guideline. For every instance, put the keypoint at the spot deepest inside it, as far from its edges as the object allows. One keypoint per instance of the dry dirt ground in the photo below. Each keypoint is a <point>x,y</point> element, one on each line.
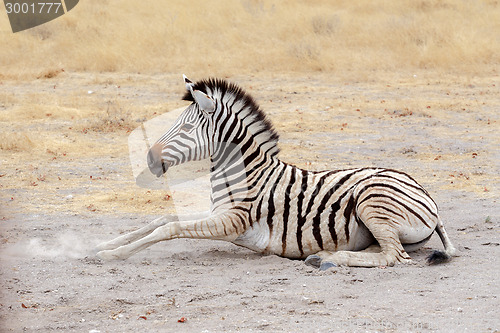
<point>66,184</point>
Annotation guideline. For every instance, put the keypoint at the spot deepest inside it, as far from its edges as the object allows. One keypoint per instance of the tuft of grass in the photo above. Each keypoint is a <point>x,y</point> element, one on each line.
<point>50,73</point>
<point>114,118</point>
<point>15,142</point>
<point>325,25</point>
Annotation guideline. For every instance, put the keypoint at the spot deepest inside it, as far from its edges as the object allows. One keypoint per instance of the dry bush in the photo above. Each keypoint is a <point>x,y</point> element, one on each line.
<point>15,142</point>
<point>240,37</point>
<point>114,118</point>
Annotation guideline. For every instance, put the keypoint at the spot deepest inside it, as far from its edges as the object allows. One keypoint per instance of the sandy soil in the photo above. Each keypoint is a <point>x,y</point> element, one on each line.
<point>66,184</point>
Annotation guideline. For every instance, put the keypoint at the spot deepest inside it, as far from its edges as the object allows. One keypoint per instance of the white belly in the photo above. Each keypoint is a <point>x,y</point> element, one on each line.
<point>255,238</point>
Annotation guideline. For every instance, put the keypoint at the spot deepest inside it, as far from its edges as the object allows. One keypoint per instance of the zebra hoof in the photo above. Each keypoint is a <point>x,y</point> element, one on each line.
<point>108,255</point>
<point>326,265</point>
<point>313,261</point>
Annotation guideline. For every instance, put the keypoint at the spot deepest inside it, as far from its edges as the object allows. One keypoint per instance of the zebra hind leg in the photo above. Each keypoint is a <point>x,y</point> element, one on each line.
<point>316,260</point>
<point>391,251</point>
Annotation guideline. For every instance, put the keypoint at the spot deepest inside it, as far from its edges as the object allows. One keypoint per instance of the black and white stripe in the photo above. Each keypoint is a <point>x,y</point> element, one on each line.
<point>265,204</point>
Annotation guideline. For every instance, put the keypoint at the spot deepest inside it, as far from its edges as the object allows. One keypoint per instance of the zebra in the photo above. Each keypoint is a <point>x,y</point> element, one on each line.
<point>365,217</point>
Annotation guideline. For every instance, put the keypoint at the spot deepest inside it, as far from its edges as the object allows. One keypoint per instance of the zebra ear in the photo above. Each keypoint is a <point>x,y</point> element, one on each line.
<point>205,102</point>
<point>189,84</point>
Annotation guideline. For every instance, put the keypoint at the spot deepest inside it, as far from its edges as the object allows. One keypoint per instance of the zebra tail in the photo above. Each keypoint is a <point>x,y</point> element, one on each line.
<point>438,257</point>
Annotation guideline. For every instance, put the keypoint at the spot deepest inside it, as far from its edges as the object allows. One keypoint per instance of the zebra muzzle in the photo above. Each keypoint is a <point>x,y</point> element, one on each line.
<point>155,162</point>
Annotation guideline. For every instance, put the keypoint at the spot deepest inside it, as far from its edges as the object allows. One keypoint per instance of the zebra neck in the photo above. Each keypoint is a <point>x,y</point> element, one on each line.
<point>242,149</point>
<point>237,174</point>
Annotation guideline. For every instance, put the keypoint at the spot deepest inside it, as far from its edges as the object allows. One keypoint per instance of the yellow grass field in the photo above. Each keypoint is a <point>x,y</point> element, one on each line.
<point>351,38</point>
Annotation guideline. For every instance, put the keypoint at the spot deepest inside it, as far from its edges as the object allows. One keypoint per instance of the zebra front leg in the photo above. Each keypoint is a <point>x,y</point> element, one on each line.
<point>135,235</point>
<point>146,230</point>
<point>222,227</point>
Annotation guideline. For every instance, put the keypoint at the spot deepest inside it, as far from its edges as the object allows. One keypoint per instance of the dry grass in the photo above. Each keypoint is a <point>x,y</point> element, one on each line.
<point>221,38</point>
<point>61,142</point>
<point>15,142</point>
<point>115,118</point>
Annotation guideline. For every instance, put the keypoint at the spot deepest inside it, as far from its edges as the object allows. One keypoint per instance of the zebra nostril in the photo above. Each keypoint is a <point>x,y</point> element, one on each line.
<point>151,159</point>
<point>155,162</point>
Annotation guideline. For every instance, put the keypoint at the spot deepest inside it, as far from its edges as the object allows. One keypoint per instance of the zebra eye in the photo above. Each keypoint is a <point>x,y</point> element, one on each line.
<point>186,127</point>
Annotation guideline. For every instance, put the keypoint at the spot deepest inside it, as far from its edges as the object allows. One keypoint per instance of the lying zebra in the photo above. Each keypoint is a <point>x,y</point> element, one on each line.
<point>356,217</point>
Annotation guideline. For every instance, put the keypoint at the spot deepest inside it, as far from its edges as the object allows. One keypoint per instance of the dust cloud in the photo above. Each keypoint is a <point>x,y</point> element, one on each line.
<point>65,246</point>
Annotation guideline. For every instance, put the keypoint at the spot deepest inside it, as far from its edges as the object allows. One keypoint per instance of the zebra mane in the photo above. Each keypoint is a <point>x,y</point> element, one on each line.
<point>243,105</point>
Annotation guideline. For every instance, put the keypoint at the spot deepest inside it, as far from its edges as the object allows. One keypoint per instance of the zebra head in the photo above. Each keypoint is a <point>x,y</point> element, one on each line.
<point>187,140</point>
<point>223,123</point>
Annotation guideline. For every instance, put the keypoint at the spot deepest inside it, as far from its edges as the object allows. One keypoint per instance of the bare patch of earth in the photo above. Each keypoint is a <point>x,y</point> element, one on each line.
<point>66,184</point>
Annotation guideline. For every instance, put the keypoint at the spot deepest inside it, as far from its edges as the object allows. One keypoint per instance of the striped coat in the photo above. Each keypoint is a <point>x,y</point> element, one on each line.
<point>357,217</point>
